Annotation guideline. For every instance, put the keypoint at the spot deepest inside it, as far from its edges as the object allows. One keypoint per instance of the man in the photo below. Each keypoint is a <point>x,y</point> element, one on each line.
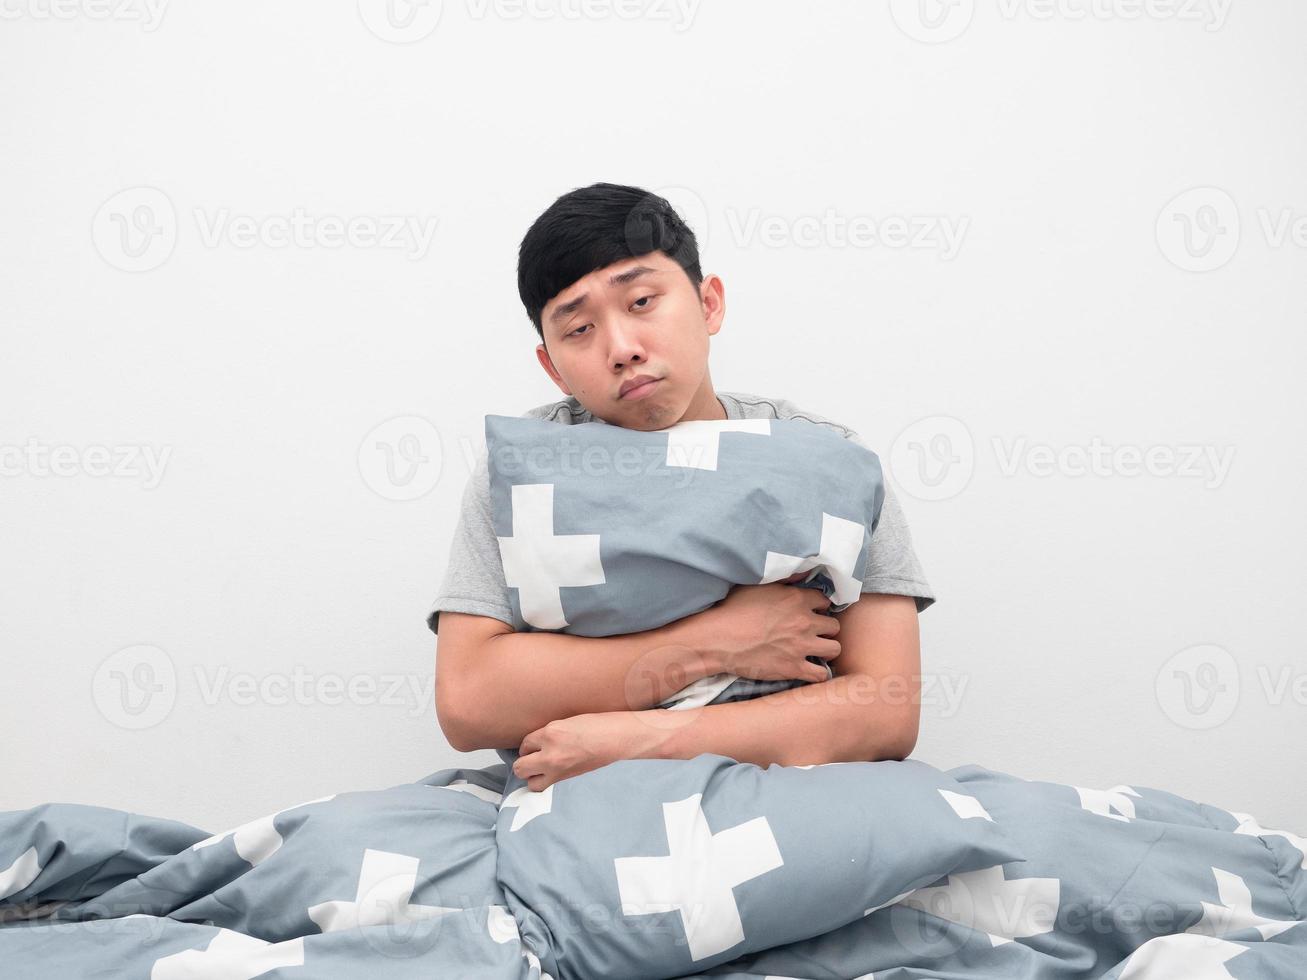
<point>610,278</point>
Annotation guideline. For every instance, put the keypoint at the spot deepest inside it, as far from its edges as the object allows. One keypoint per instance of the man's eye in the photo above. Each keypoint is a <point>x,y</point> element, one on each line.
<point>643,299</point>
<point>578,330</point>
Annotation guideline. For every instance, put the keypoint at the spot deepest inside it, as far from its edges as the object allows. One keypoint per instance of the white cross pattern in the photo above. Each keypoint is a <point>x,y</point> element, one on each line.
<point>257,840</point>
<point>1104,801</point>
<point>20,874</point>
<point>694,444</point>
<point>966,807</point>
<point>502,928</point>
<point>987,901</point>
<point>229,956</point>
<point>472,789</point>
<point>538,562</point>
<point>884,905</point>
<point>840,548</point>
<point>697,877</point>
<point>500,925</point>
<point>698,693</point>
<point>826,765</point>
<point>1235,912</point>
<point>529,804</point>
<point>1182,955</point>
<point>386,882</point>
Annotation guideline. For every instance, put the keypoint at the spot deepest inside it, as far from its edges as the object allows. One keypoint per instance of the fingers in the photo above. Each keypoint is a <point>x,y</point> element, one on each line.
<point>532,743</point>
<point>819,600</point>
<point>827,625</point>
<point>527,766</point>
<point>815,599</point>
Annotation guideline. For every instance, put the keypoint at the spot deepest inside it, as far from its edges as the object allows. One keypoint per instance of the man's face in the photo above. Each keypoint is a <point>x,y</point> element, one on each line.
<point>639,316</point>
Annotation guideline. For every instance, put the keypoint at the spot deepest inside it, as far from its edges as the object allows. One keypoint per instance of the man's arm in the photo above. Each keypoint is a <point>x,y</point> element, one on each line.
<point>870,709</point>
<point>495,686</point>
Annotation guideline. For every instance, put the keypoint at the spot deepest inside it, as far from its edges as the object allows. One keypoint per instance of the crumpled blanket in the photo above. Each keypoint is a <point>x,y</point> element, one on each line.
<point>666,868</point>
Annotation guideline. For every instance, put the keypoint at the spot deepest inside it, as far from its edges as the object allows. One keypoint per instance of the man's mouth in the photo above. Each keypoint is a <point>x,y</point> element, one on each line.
<point>640,390</point>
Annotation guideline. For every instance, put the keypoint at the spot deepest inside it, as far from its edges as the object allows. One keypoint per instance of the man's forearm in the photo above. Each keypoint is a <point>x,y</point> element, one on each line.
<point>839,720</point>
<point>534,678</point>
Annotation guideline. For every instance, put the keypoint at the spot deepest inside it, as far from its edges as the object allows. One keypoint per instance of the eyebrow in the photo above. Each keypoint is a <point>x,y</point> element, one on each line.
<point>618,279</point>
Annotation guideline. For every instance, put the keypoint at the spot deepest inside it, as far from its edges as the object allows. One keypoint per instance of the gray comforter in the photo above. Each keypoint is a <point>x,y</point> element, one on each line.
<point>665,868</point>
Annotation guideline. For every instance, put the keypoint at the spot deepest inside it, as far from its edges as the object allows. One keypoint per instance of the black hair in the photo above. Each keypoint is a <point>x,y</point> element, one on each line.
<point>593,227</point>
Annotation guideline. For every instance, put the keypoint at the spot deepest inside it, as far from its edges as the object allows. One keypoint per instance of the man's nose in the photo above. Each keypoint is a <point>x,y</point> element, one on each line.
<point>627,347</point>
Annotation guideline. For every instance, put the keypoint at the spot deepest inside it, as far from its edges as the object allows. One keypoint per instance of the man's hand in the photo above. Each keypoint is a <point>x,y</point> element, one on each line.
<point>767,632</point>
<point>571,746</point>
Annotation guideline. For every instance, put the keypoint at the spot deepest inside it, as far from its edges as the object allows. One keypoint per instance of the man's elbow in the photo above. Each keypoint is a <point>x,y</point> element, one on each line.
<point>456,734</point>
<point>460,731</point>
<point>901,749</point>
<point>898,744</point>
<point>467,726</point>
<point>461,659</point>
<point>467,731</point>
<point>903,746</point>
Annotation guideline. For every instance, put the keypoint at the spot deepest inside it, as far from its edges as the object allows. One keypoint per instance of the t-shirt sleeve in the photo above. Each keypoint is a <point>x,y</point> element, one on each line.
<point>474,577</point>
<point>892,564</point>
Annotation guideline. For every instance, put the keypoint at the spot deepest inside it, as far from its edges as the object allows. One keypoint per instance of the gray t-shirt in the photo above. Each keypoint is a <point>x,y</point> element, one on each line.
<point>474,578</point>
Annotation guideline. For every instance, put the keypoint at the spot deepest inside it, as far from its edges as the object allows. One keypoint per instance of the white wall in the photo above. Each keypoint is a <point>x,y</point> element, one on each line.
<point>1068,310</point>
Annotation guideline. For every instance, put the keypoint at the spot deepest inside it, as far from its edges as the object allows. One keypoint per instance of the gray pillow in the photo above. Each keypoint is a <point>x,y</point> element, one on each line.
<point>605,530</point>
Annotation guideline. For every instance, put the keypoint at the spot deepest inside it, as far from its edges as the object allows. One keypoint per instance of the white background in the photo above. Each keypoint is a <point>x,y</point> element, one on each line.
<point>1075,310</point>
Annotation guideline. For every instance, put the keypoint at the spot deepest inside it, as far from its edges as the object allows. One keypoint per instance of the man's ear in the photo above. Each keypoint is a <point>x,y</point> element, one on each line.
<point>546,362</point>
<point>712,298</point>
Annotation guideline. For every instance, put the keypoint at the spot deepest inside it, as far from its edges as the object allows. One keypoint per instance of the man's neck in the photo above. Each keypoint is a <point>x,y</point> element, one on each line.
<point>705,406</point>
